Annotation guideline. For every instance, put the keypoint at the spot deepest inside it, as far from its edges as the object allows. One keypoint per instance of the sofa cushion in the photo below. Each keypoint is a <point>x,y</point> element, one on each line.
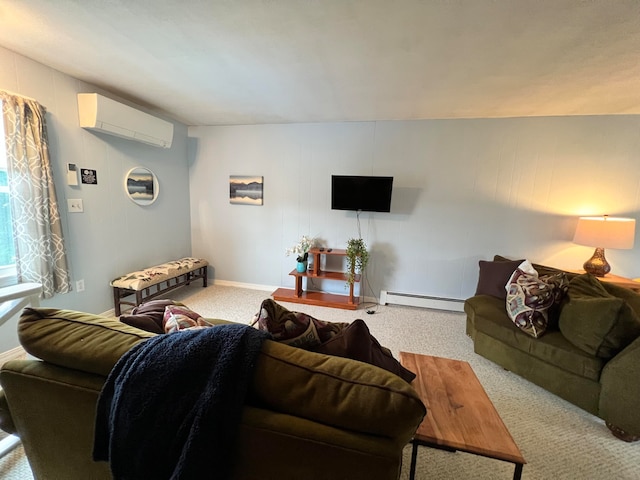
<point>632,298</point>
<point>331,390</point>
<point>77,340</point>
<point>335,391</point>
<point>596,321</point>
<point>493,277</point>
<point>356,342</point>
<point>489,317</point>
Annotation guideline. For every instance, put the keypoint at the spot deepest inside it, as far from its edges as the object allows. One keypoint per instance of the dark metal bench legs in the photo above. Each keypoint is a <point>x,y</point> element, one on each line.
<point>145,294</point>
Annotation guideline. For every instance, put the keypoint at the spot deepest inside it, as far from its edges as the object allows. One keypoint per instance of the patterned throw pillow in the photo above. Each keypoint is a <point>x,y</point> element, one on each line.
<point>294,328</point>
<point>559,281</point>
<point>529,298</point>
<point>179,317</point>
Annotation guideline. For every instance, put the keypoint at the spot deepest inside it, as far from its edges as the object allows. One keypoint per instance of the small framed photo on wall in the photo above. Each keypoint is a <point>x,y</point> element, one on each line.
<point>245,189</point>
<point>141,186</point>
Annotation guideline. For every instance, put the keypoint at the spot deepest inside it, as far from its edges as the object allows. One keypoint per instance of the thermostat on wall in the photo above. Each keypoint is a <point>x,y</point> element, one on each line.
<point>72,174</point>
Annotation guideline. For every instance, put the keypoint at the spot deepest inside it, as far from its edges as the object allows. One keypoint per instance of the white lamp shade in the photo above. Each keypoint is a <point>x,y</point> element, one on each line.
<point>606,232</point>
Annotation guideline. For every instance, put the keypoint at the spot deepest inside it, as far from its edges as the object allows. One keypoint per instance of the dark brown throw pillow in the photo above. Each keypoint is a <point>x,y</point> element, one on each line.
<point>149,315</point>
<point>494,276</point>
<point>541,269</point>
<point>143,322</point>
<point>356,342</point>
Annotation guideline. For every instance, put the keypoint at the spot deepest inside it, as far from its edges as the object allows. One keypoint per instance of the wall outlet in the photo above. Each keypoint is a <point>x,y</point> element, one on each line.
<point>80,286</point>
<point>75,205</point>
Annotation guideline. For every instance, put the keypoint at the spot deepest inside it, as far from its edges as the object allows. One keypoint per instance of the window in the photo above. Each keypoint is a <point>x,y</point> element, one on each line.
<point>7,247</point>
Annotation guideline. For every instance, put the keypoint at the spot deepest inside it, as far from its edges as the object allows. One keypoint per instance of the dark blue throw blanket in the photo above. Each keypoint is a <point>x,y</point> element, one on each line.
<point>171,406</point>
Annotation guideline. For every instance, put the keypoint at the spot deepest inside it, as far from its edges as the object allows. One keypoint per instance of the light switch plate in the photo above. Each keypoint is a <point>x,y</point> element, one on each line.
<point>75,205</point>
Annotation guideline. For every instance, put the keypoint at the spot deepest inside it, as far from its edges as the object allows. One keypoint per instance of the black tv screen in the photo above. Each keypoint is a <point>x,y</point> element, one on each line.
<point>368,194</point>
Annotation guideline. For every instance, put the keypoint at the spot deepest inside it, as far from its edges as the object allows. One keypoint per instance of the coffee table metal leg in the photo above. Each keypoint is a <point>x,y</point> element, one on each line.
<point>414,457</point>
<point>517,474</point>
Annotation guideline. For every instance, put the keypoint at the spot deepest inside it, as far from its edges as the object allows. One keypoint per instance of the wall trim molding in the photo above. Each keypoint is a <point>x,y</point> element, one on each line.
<point>423,301</point>
<point>250,286</point>
<point>412,300</point>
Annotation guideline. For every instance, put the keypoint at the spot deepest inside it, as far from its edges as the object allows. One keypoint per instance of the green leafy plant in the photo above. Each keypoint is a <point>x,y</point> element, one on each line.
<point>357,258</point>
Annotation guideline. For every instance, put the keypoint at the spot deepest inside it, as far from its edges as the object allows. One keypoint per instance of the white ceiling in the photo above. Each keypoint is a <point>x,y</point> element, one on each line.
<point>222,62</point>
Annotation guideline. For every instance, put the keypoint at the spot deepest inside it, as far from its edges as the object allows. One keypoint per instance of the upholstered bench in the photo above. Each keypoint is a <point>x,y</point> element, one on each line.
<point>153,281</point>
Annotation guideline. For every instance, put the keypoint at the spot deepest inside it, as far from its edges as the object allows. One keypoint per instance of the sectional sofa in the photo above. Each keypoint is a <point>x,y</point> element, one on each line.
<point>307,415</point>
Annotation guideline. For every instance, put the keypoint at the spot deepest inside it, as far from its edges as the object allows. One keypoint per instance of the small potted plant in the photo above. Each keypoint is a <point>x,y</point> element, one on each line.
<point>357,258</point>
<point>301,249</point>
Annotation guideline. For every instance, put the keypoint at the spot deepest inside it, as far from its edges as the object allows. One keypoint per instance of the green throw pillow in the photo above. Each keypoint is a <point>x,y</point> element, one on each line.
<point>596,321</point>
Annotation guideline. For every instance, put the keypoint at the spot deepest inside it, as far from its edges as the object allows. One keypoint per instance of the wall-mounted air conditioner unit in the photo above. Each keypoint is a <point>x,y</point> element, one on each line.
<point>108,116</point>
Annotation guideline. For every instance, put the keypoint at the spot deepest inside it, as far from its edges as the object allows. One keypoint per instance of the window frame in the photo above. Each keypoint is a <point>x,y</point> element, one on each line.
<point>8,273</point>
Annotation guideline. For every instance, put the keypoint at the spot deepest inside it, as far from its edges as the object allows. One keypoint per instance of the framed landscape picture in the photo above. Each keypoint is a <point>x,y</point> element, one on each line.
<point>141,186</point>
<point>245,190</point>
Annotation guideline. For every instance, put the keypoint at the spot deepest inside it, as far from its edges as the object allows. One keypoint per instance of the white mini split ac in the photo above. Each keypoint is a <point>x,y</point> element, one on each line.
<point>108,116</point>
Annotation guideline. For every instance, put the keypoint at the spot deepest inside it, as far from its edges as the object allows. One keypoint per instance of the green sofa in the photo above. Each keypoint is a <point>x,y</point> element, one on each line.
<point>589,355</point>
<point>308,415</point>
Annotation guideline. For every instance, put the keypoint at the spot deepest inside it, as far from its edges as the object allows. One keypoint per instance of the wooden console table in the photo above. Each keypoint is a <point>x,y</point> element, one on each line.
<point>620,281</point>
<point>310,297</point>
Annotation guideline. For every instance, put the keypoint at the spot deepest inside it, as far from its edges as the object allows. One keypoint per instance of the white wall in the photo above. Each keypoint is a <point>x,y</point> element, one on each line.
<point>114,235</point>
<point>464,190</point>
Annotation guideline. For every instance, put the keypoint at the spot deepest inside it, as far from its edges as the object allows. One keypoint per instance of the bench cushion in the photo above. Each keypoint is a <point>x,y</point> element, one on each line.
<point>150,276</point>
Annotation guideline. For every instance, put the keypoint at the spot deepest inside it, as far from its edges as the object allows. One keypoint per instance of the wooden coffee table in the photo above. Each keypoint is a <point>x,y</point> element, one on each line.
<point>460,415</point>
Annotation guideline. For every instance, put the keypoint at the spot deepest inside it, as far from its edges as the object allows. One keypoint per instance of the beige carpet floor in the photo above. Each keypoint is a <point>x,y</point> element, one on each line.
<point>558,440</point>
<point>14,465</point>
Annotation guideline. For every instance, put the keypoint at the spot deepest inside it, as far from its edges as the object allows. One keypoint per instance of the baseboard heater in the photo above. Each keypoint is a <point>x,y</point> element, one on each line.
<point>424,301</point>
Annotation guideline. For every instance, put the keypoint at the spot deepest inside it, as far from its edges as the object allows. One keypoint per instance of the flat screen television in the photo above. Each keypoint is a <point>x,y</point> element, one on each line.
<point>368,194</point>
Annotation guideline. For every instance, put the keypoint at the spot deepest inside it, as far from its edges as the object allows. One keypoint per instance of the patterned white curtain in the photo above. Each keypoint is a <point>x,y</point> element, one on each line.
<point>37,231</point>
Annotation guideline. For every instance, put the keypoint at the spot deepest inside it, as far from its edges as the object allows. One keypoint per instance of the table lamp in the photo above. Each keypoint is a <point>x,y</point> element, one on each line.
<point>604,232</point>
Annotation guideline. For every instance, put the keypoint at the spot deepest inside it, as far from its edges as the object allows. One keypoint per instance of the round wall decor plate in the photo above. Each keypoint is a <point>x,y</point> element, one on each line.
<point>141,186</point>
